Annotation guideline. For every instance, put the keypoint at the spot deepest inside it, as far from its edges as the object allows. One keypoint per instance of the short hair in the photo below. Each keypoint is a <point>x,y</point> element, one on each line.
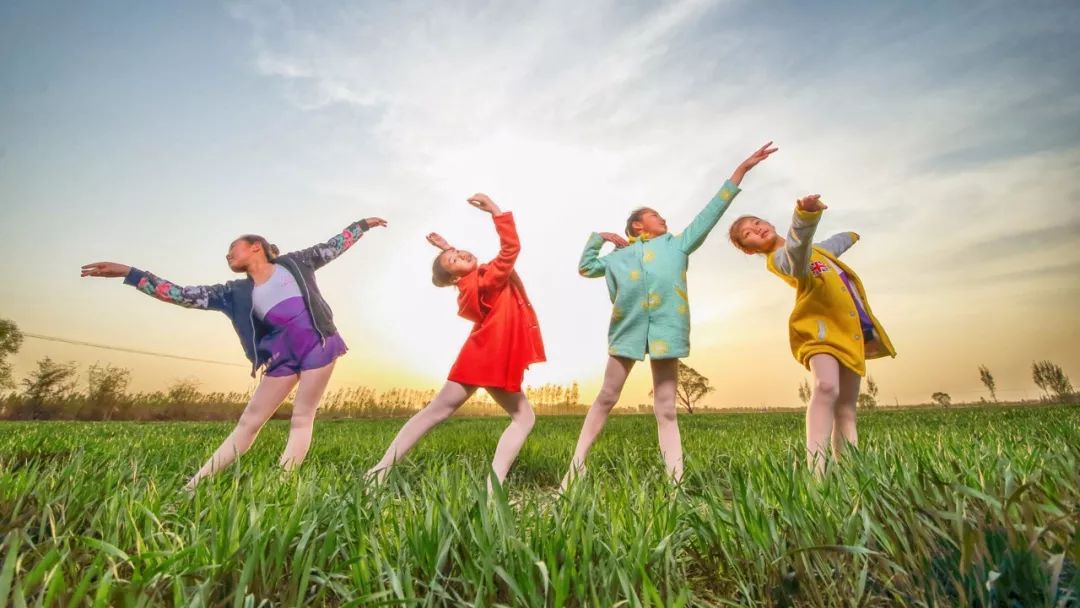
<point>271,251</point>
<point>733,234</point>
<point>635,216</point>
<point>440,277</point>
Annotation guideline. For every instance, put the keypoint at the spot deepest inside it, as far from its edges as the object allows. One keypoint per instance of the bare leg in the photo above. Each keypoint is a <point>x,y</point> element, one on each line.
<point>618,369</point>
<point>819,414</point>
<point>522,419</point>
<point>665,381</point>
<point>312,386</point>
<point>844,432</point>
<point>264,402</point>
<point>449,399</point>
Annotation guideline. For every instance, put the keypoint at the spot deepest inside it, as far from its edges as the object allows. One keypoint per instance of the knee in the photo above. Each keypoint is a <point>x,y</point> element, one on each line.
<point>845,412</point>
<point>607,398</point>
<point>302,417</point>
<point>247,427</point>
<point>665,414</point>
<point>826,389</point>
<point>526,420</point>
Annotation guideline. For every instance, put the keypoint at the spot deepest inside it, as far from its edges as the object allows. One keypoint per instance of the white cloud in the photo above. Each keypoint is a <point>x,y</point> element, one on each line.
<point>573,113</point>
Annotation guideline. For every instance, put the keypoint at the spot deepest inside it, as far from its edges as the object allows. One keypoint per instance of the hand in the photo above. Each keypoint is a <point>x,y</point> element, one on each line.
<point>615,239</point>
<point>483,202</point>
<point>373,222</point>
<point>105,269</point>
<point>744,167</point>
<point>438,241</point>
<point>810,203</point>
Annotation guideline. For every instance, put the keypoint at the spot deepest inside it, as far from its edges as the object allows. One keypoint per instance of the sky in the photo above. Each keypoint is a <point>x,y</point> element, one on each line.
<point>153,133</point>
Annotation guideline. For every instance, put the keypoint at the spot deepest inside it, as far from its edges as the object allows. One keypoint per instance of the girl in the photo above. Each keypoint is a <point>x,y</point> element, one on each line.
<point>646,281</point>
<point>283,323</point>
<point>504,341</point>
<point>832,329</point>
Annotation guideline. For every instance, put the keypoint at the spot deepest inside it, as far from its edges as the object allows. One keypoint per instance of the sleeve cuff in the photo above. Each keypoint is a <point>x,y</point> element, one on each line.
<point>363,225</point>
<point>133,277</point>
<point>807,215</point>
<point>728,190</point>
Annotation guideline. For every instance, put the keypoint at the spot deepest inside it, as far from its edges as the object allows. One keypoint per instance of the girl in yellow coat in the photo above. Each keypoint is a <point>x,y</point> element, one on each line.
<point>832,329</point>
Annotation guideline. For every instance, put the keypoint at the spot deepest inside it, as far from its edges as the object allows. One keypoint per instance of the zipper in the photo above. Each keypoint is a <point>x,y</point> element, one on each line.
<point>311,311</point>
<point>254,345</point>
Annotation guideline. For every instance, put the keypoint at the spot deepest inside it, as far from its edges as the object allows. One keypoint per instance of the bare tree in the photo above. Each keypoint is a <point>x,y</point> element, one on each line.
<point>805,392</point>
<point>988,381</point>
<point>10,341</point>
<point>1049,377</point>
<point>691,388</point>
<point>868,399</point>
<point>49,383</point>
<point>108,388</point>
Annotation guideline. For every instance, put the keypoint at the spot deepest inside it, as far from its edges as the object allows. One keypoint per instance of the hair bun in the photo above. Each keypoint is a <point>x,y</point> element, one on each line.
<point>274,250</point>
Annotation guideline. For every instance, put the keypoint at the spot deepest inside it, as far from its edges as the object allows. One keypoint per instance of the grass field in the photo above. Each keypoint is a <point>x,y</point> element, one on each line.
<point>941,508</point>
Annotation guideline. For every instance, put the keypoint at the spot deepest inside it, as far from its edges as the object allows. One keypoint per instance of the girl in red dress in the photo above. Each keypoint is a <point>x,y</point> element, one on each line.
<point>504,341</point>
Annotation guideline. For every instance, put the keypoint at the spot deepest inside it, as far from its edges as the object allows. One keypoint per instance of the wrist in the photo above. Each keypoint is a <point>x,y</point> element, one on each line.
<point>737,175</point>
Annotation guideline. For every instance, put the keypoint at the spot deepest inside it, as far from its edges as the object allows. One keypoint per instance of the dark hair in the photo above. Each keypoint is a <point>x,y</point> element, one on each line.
<point>635,216</point>
<point>734,236</point>
<point>440,277</point>
<point>271,251</point>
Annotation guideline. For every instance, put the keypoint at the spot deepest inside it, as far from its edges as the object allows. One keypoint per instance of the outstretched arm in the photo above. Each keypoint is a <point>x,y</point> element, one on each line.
<point>695,234</point>
<point>794,257</point>
<point>322,254</point>
<point>839,243</point>
<point>204,297</point>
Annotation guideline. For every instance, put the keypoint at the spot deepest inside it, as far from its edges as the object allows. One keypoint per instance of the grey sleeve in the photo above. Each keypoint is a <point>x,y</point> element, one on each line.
<point>794,257</point>
<point>839,243</point>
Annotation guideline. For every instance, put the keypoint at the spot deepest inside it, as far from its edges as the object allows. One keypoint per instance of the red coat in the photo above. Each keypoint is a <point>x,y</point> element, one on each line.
<point>505,337</point>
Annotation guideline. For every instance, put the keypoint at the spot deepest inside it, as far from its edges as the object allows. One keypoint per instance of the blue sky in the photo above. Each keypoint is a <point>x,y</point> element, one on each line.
<point>152,134</point>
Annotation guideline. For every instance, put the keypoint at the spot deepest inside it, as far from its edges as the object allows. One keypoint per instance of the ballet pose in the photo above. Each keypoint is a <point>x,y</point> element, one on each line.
<point>504,341</point>
<point>646,280</point>
<point>284,325</point>
<point>832,329</point>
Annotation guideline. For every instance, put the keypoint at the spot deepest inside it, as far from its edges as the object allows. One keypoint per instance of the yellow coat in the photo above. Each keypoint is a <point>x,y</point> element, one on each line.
<point>825,319</point>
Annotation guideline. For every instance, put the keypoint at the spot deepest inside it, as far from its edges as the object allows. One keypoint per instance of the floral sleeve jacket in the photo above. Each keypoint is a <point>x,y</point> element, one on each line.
<point>646,282</point>
<point>234,297</point>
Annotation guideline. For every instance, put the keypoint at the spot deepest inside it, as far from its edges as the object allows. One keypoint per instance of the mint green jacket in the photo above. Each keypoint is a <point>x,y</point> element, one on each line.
<point>647,285</point>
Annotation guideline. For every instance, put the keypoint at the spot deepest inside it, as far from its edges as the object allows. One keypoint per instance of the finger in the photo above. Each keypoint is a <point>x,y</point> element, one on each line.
<point>763,148</point>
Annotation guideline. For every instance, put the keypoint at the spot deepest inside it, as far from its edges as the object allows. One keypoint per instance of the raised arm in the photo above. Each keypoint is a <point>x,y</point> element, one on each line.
<point>839,243</point>
<point>204,297</point>
<point>694,235</point>
<point>498,270</point>
<point>794,257</point>
<point>322,254</point>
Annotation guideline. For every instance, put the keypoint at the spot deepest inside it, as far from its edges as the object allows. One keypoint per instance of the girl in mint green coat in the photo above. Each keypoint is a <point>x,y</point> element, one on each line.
<point>646,280</point>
